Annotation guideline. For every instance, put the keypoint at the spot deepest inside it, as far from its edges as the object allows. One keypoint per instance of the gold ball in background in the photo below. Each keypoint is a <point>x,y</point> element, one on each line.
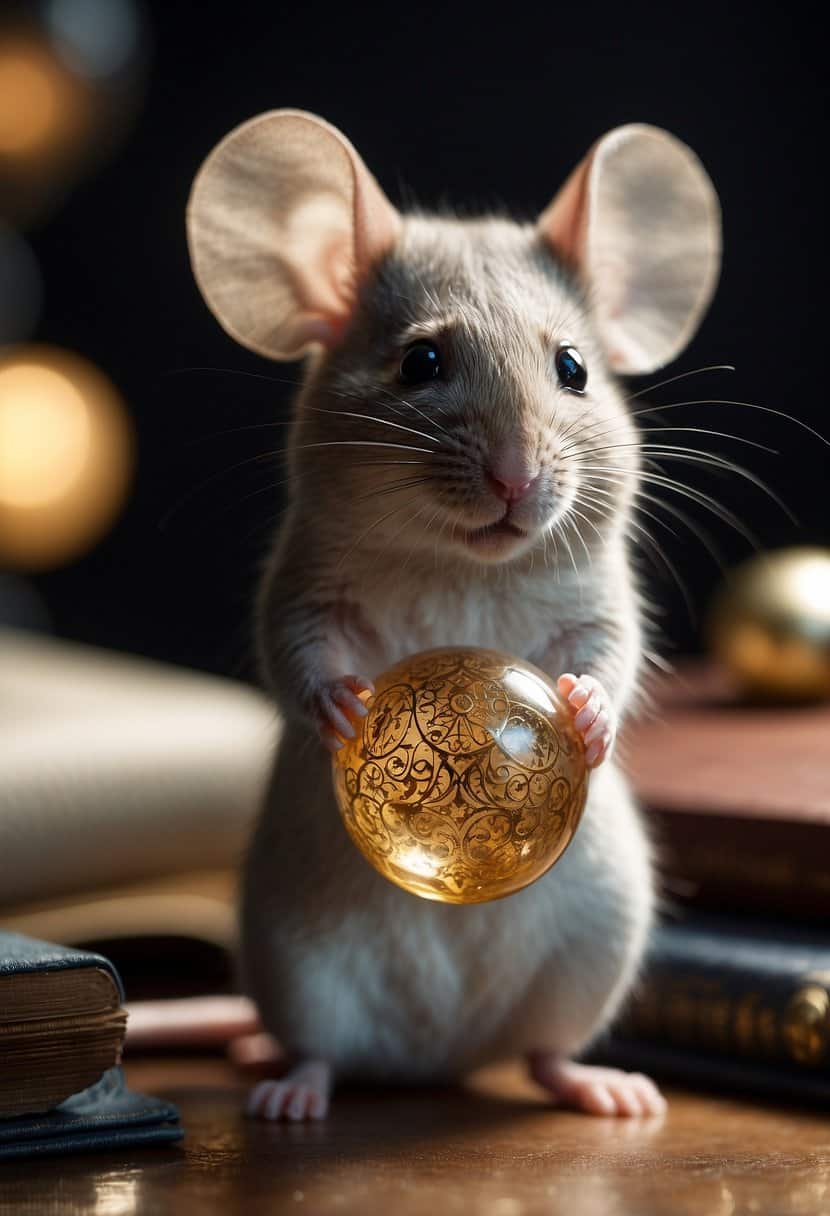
<point>770,624</point>
<point>467,780</point>
<point>66,456</point>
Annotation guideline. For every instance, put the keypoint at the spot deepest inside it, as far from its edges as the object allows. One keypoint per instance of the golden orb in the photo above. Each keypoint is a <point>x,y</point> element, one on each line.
<point>770,625</point>
<point>467,780</point>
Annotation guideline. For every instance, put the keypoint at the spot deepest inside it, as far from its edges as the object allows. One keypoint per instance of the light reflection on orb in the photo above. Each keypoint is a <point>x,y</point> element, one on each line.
<point>466,781</point>
<point>66,453</point>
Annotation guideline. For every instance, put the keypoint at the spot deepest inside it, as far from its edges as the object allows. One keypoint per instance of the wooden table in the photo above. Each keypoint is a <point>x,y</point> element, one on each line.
<point>494,1150</point>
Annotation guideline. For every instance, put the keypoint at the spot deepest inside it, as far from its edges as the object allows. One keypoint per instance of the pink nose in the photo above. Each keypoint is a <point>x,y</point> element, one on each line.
<point>510,487</point>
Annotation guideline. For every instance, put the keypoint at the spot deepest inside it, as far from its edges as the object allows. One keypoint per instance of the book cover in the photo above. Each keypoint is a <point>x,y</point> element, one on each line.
<point>737,795</point>
<point>747,990</point>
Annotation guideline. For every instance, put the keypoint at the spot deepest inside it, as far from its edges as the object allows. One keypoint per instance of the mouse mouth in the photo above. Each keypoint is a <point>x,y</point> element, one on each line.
<point>494,536</point>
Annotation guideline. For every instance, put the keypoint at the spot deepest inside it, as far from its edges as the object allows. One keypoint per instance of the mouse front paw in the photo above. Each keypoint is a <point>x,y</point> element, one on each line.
<point>593,715</point>
<point>339,707</point>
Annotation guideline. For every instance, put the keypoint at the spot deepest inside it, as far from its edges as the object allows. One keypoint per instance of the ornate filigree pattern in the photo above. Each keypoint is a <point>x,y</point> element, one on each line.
<point>468,780</point>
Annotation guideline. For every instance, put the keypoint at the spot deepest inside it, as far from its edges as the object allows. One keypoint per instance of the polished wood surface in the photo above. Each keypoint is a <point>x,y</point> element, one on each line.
<point>495,1150</point>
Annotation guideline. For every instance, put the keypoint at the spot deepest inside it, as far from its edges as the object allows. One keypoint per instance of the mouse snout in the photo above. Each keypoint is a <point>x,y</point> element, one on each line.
<point>511,474</point>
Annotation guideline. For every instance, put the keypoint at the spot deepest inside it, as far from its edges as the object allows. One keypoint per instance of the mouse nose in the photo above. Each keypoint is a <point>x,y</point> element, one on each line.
<point>510,476</point>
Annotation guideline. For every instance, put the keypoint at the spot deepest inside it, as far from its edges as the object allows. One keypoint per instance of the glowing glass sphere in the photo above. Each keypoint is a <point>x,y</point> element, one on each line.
<point>467,780</point>
<point>66,454</point>
<point>770,624</point>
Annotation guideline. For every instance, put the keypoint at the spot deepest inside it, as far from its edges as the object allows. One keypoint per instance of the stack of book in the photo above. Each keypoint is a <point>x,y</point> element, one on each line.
<point>736,991</point>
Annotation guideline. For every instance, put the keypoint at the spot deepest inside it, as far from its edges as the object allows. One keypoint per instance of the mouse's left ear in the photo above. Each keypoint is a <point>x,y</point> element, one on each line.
<point>284,223</point>
<point>639,222</point>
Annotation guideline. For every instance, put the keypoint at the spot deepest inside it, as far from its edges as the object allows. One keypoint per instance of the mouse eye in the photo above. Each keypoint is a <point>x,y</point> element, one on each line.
<point>421,362</point>
<point>570,369</point>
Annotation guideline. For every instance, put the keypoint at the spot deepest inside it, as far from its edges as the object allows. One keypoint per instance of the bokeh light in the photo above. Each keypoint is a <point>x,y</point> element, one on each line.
<point>42,106</point>
<point>72,74</point>
<point>98,38</point>
<point>66,455</point>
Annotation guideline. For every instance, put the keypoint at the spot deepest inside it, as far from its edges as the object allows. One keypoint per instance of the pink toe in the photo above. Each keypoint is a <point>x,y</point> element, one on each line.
<point>593,753</point>
<point>597,1098</point>
<point>598,728</point>
<point>587,714</point>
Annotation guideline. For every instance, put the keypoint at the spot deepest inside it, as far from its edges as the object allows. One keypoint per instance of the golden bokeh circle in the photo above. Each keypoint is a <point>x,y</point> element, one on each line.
<point>770,624</point>
<point>467,780</point>
<point>66,456</point>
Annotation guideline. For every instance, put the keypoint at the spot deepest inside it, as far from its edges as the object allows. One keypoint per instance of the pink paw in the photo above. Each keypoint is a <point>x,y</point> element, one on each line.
<point>594,1090</point>
<point>303,1093</point>
<point>339,707</point>
<point>593,715</point>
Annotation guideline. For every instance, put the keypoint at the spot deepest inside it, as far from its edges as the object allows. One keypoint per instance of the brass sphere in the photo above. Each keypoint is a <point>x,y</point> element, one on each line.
<point>770,625</point>
<point>467,780</point>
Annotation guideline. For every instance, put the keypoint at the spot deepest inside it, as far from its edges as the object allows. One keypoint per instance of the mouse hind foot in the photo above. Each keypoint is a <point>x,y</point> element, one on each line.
<point>595,1090</point>
<point>302,1093</point>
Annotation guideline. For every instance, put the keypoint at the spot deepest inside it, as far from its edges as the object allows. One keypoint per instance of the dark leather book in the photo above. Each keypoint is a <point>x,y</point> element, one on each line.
<point>708,1070</point>
<point>61,1023</point>
<point>746,990</point>
<point>737,795</point>
<point>106,1115</point>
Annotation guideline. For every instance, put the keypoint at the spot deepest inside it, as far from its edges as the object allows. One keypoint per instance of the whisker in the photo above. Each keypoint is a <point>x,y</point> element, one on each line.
<point>370,418</point>
<point>664,430</point>
<point>750,405</point>
<point>658,548</point>
<point>705,459</point>
<point>698,371</point>
<point>696,496</point>
<point>403,484</point>
<point>414,407</point>
<point>376,523</point>
<point>571,510</point>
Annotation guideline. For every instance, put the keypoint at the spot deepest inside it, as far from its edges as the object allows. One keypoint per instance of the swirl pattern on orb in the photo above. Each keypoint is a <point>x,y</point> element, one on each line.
<point>468,781</point>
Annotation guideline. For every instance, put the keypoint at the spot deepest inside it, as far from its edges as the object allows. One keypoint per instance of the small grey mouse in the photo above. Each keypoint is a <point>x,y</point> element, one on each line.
<point>463,470</point>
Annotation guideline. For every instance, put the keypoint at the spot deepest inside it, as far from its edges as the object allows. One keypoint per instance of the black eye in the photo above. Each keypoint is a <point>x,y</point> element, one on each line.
<point>421,362</point>
<point>570,369</point>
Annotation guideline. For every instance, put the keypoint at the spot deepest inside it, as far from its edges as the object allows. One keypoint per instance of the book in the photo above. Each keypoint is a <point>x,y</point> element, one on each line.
<point>748,990</point>
<point>130,770</point>
<point>737,795</point>
<point>708,1070</point>
<point>107,1115</point>
<point>61,1023</point>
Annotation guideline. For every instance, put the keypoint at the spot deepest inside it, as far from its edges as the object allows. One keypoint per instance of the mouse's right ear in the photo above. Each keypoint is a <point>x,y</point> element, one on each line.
<point>639,221</point>
<point>283,223</point>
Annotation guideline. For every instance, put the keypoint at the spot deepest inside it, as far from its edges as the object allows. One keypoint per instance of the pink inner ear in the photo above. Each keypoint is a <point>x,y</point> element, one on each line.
<point>564,222</point>
<point>327,279</point>
<point>377,224</point>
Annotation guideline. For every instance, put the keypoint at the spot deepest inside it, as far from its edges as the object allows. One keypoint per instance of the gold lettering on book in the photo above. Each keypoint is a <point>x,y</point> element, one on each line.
<point>745,1019</point>
<point>805,1026</point>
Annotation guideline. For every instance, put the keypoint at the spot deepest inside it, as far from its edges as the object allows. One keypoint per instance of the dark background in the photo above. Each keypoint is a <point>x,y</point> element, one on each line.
<point>451,104</point>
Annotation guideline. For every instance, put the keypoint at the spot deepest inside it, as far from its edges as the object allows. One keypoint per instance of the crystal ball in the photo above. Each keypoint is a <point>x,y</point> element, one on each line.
<point>467,780</point>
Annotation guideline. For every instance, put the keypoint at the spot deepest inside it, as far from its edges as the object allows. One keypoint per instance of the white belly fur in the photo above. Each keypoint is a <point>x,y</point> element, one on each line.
<point>385,985</point>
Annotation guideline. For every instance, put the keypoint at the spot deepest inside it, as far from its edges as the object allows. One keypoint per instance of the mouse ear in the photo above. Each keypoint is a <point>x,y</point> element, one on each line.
<point>639,221</point>
<point>284,221</point>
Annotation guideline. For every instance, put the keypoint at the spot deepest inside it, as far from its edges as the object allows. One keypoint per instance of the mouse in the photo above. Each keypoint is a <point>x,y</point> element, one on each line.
<point>462,470</point>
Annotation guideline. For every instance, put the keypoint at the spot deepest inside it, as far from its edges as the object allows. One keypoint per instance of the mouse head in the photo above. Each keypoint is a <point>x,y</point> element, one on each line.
<point>462,394</point>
